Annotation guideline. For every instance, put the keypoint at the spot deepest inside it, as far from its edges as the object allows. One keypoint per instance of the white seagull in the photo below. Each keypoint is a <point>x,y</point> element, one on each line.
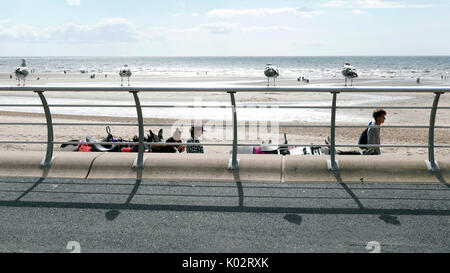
<point>349,72</point>
<point>271,72</point>
<point>125,71</point>
<point>22,72</point>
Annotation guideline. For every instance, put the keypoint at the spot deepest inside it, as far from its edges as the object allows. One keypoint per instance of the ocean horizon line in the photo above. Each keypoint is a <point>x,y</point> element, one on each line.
<point>214,56</point>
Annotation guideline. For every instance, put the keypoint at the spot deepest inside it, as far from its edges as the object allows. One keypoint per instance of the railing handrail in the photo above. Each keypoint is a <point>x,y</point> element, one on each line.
<point>226,125</point>
<point>224,106</point>
<point>325,89</point>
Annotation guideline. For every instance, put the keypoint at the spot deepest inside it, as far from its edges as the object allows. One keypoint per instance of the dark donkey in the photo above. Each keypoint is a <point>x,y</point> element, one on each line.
<point>152,137</point>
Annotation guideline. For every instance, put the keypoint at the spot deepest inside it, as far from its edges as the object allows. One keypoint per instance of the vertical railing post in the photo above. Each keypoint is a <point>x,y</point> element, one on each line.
<point>47,161</point>
<point>431,163</point>
<point>234,162</point>
<point>332,163</point>
<point>139,162</point>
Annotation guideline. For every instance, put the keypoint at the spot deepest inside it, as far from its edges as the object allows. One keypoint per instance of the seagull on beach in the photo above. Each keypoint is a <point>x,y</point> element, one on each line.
<point>125,71</point>
<point>349,72</point>
<point>271,72</point>
<point>22,72</point>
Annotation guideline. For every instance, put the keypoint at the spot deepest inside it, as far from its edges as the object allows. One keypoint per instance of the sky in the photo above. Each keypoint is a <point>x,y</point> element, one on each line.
<point>224,28</point>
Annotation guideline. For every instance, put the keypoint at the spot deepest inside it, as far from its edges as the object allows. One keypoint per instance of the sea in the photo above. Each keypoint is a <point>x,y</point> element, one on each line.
<point>376,67</point>
<point>368,67</point>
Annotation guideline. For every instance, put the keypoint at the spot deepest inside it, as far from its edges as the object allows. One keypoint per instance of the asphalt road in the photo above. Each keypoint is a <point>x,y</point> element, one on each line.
<point>159,217</point>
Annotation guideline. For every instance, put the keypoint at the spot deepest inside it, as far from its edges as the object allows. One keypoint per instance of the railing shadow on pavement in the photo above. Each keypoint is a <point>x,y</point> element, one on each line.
<point>441,179</point>
<point>114,209</point>
<point>45,172</point>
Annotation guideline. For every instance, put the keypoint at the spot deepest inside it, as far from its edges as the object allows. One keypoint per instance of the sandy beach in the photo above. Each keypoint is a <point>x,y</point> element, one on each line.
<point>219,134</point>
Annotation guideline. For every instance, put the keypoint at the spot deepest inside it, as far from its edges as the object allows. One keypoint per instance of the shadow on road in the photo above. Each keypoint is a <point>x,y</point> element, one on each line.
<point>337,174</point>
<point>441,179</point>
<point>113,214</point>
<point>293,218</point>
<point>195,208</point>
<point>240,189</point>
<point>389,219</point>
<point>45,172</point>
<point>114,209</point>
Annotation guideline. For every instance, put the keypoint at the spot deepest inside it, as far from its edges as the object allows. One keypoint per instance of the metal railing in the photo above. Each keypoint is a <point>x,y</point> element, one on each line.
<point>232,91</point>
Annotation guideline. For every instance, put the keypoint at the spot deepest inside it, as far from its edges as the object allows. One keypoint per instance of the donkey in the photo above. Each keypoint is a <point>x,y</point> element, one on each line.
<point>152,137</point>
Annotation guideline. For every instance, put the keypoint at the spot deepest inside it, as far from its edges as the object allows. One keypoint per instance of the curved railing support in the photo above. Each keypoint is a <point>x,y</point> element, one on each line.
<point>234,162</point>
<point>139,162</point>
<point>47,161</point>
<point>332,163</point>
<point>431,162</point>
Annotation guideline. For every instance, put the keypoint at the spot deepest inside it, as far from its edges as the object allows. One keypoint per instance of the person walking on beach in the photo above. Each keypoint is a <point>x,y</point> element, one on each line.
<point>196,132</point>
<point>373,134</point>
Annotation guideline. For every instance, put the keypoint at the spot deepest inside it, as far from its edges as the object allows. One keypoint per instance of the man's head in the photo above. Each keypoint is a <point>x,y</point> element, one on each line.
<point>197,131</point>
<point>379,115</point>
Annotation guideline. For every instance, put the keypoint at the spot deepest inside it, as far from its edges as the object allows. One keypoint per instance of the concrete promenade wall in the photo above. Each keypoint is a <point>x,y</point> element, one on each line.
<point>213,167</point>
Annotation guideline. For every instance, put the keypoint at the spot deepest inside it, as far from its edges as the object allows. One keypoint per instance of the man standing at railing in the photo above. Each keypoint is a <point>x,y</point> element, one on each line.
<point>373,134</point>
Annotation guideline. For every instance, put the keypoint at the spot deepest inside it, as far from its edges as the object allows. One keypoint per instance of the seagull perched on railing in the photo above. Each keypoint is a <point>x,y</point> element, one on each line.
<point>271,72</point>
<point>125,71</point>
<point>22,72</point>
<point>349,72</point>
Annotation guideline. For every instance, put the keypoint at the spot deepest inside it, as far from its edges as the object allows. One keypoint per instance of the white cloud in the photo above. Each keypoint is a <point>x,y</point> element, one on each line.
<point>357,11</point>
<point>227,13</point>
<point>372,4</point>
<point>185,14</point>
<point>105,30</point>
<point>119,30</point>
<point>73,2</point>
<point>218,28</point>
<point>227,28</point>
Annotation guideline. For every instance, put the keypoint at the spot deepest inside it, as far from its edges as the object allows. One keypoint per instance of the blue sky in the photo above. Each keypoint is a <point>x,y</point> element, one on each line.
<point>224,28</point>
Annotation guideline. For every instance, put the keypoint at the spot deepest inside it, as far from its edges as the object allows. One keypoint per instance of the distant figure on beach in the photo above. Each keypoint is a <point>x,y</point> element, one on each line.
<point>196,132</point>
<point>418,80</point>
<point>271,72</point>
<point>22,72</point>
<point>92,76</point>
<point>106,76</point>
<point>38,78</point>
<point>349,72</point>
<point>10,76</point>
<point>373,134</point>
<point>125,72</point>
<point>65,72</point>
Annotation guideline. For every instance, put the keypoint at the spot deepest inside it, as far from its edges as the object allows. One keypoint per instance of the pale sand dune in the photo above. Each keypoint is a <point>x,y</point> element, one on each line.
<point>295,135</point>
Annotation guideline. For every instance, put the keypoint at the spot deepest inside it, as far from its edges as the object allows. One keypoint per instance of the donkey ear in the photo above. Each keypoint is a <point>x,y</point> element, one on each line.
<point>160,133</point>
<point>151,133</point>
